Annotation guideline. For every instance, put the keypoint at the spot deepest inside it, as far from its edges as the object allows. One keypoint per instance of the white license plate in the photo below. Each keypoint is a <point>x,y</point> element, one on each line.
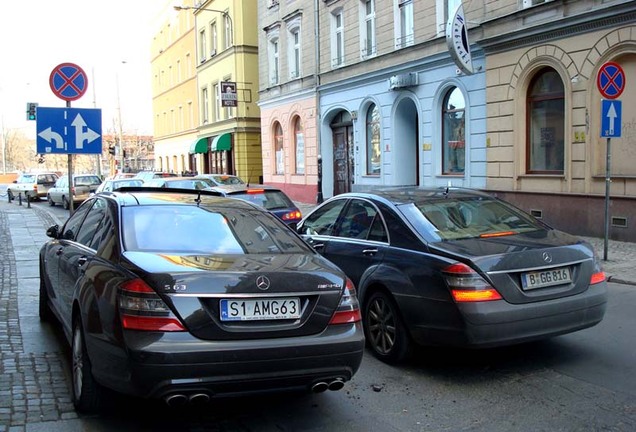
<point>260,309</point>
<point>546,278</point>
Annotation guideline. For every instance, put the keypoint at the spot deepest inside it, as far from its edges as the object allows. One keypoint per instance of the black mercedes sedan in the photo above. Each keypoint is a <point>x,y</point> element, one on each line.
<point>457,267</point>
<point>186,296</point>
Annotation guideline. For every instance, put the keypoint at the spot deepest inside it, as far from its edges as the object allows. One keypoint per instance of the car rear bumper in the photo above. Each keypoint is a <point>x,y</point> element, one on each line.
<point>498,323</point>
<point>160,365</point>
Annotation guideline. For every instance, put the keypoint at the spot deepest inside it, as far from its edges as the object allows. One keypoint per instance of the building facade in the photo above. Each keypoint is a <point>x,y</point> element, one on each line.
<point>394,107</point>
<point>229,131</point>
<point>174,90</point>
<point>546,150</point>
<point>288,96</point>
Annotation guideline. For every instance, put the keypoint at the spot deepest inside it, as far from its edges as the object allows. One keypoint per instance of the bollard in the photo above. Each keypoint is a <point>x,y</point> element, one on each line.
<point>28,198</point>
<point>20,198</point>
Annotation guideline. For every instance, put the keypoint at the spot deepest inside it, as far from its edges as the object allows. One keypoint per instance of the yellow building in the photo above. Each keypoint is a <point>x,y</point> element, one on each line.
<point>226,54</point>
<point>174,90</point>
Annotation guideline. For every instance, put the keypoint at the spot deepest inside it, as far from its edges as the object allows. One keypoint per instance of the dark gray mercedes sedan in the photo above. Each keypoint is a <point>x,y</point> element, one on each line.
<point>186,296</point>
<point>456,267</point>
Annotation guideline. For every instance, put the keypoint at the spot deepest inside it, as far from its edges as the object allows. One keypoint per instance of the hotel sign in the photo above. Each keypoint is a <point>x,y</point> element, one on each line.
<point>228,94</point>
<point>457,40</point>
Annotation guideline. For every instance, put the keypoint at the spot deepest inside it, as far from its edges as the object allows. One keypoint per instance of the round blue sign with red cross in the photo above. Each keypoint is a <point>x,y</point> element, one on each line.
<point>611,80</point>
<point>68,81</point>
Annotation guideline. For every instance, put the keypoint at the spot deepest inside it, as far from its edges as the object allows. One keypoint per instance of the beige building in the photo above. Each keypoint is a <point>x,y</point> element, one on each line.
<point>174,90</point>
<point>546,144</point>
<point>288,97</point>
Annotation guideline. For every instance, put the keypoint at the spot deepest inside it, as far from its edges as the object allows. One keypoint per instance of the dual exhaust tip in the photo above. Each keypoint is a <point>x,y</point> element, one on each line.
<point>180,399</point>
<point>322,386</point>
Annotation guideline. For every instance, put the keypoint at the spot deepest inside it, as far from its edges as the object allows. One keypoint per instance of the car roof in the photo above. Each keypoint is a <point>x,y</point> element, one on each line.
<point>139,195</point>
<point>410,194</point>
<point>238,188</point>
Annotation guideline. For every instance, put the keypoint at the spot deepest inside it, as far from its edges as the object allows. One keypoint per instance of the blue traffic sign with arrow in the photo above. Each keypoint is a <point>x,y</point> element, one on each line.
<point>69,131</point>
<point>611,111</point>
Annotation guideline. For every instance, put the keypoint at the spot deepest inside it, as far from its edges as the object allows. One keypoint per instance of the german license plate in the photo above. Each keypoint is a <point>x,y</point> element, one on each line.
<point>546,278</point>
<point>260,309</point>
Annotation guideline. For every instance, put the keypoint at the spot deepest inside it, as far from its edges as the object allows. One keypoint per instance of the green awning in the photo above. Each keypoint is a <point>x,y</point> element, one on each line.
<point>199,146</point>
<point>221,142</point>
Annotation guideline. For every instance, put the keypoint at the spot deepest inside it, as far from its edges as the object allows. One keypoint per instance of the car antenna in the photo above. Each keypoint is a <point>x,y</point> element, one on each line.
<point>448,186</point>
<point>198,199</point>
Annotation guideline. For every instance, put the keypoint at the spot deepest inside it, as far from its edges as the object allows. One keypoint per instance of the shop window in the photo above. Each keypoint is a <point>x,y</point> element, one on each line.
<point>278,149</point>
<point>453,132</point>
<point>299,145</point>
<point>373,140</point>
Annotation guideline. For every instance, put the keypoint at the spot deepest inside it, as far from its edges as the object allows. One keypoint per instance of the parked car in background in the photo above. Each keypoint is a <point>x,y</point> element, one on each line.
<point>33,186</point>
<point>456,267</point>
<point>268,197</point>
<point>111,185</point>
<point>185,296</point>
<point>222,179</point>
<point>149,175</point>
<point>178,183</point>
<point>83,186</point>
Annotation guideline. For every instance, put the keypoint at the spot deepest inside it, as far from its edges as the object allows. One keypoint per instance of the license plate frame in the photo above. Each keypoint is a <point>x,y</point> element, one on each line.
<point>546,278</point>
<point>259,309</point>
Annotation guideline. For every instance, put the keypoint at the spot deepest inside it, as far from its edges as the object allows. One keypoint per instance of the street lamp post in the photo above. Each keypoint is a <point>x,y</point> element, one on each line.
<point>224,13</point>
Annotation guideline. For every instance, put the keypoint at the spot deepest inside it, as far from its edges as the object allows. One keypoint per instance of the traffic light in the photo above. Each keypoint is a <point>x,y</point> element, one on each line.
<point>112,150</point>
<point>32,108</point>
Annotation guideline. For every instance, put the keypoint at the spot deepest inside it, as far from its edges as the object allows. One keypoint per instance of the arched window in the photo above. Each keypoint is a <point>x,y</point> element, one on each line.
<point>545,123</point>
<point>278,149</point>
<point>453,136</point>
<point>373,140</point>
<point>299,144</point>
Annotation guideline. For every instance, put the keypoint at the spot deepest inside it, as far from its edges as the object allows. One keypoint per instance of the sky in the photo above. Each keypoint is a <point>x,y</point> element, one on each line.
<point>110,40</point>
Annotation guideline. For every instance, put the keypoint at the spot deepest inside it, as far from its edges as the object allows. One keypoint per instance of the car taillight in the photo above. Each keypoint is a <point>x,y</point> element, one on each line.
<point>293,215</point>
<point>467,285</point>
<point>348,310</point>
<point>142,309</point>
<point>597,278</point>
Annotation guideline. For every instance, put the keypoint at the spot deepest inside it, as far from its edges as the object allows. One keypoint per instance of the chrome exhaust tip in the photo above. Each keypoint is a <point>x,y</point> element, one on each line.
<point>176,400</point>
<point>336,384</point>
<point>199,399</point>
<point>319,387</point>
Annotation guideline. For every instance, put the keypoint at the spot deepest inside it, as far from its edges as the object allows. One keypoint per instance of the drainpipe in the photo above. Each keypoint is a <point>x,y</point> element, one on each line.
<point>319,196</point>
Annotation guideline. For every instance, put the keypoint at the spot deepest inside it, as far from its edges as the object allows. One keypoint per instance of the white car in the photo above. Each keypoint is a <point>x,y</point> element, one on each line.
<point>83,186</point>
<point>33,185</point>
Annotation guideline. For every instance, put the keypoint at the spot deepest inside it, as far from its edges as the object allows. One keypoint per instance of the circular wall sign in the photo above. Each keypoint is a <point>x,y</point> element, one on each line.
<point>611,80</point>
<point>457,40</point>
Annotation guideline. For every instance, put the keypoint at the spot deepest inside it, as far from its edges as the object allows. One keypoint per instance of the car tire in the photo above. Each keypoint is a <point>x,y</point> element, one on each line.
<point>385,332</point>
<point>86,392</point>
<point>44,310</point>
<point>65,203</point>
<point>50,200</point>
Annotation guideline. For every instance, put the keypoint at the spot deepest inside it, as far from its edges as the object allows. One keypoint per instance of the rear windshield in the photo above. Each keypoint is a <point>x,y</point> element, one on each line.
<point>228,180</point>
<point>27,179</point>
<point>206,230</point>
<point>453,219</point>
<point>270,200</point>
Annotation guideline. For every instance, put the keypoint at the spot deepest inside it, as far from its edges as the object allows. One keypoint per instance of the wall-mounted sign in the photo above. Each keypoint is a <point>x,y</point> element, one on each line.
<point>402,80</point>
<point>457,40</point>
<point>228,94</point>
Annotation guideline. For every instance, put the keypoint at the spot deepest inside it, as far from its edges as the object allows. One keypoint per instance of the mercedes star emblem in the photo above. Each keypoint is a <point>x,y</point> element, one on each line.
<point>547,257</point>
<point>262,283</point>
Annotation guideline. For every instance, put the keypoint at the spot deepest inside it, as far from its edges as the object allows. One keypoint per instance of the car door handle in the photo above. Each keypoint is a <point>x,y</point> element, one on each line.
<point>318,245</point>
<point>81,261</point>
<point>370,251</point>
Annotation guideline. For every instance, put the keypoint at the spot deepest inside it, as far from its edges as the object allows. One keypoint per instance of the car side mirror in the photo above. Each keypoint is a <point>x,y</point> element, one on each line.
<point>53,231</point>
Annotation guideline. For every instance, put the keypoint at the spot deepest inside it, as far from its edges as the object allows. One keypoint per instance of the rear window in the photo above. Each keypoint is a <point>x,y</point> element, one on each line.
<point>454,219</point>
<point>206,230</point>
<point>270,200</point>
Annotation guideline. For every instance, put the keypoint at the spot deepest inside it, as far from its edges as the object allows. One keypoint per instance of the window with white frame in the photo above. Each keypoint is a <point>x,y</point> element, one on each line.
<point>405,13</point>
<point>274,64</point>
<point>337,38</point>
<point>373,140</point>
<point>214,39</point>
<point>294,53</point>
<point>299,137</point>
<point>453,136</point>
<point>217,102</point>
<point>367,28</point>
<point>529,3</point>
<point>203,44</point>
<point>279,149</point>
<point>441,16</point>
<point>205,105</point>
<point>227,25</point>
